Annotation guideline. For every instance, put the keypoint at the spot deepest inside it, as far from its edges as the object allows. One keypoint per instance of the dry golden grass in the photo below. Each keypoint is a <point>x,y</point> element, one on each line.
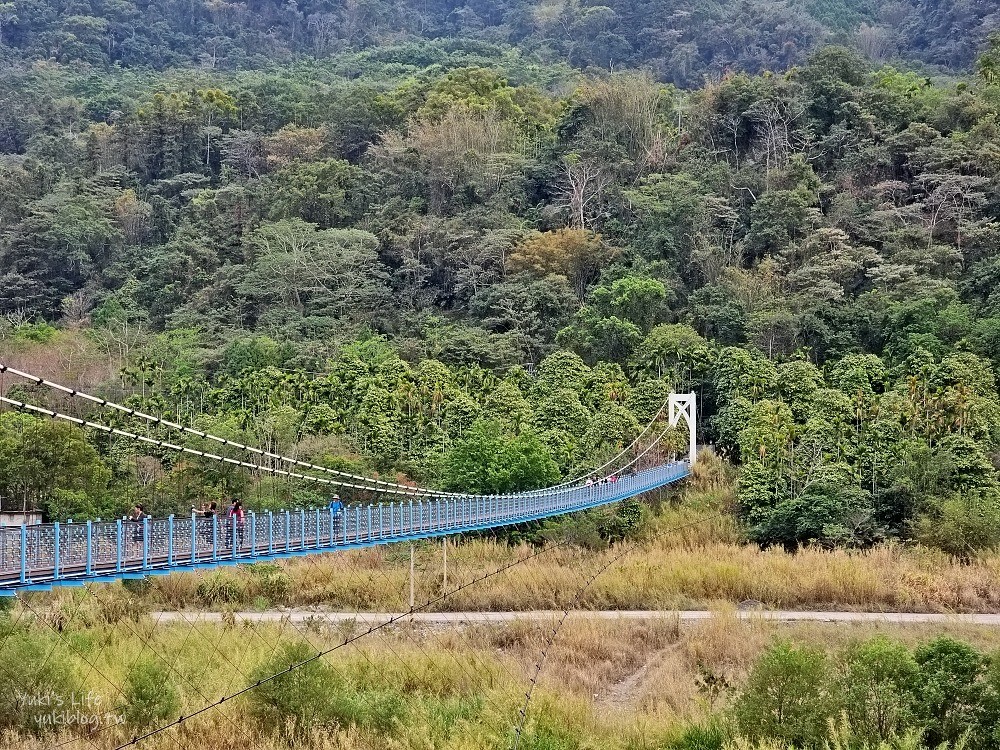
<point>692,556</point>
<point>698,567</point>
<point>612,684</point>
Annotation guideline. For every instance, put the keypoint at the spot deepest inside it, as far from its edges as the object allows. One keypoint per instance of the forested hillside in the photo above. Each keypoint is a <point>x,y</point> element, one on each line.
<point>402,235</point>
<point>679,40</point>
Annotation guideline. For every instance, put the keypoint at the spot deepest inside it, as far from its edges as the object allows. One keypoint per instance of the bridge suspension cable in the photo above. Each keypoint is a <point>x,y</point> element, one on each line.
<point>380,485</point>
<point>424,492</point>
<point>195,452</point>
<point>411,492</point>
<point>612,461</point>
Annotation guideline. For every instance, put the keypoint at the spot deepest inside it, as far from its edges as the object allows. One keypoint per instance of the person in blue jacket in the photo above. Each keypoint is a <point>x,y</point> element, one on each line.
<point>337,509</point>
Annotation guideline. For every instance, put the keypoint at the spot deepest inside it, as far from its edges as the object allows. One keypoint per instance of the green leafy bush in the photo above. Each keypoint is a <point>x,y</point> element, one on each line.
<point>880,683</point>
<point>221,588</point>
<point>626,522</point>
<point>39,333</point>
<point>962,525</point>
<point>149,695</point>
<point>789,696</point>
<point>951,691</point>
<point>700,737</point>
<point>299,694</point>
<point>314,694</point>
<point>268,581</point>
<point>36,679</point>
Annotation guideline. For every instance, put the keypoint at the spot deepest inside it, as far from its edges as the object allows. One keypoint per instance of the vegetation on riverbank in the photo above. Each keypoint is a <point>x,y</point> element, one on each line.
<point>603,684</point>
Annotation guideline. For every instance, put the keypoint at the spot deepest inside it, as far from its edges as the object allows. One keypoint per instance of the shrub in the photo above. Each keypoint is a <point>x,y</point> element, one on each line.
<point>39,333</point>
<point>221,588</point>
<point>700,737</point>
<point>581,530</point>
<point>787,697</point>
<point>314,694</point>
<point>950,689</point>
<point>300,694</point>
<point>962,525</point>
<point>36,678</point>
<point>879,681</point>
<point>378,710</point>
<point>267,581</point>
<point>149,695</point>
<point>627,521</point>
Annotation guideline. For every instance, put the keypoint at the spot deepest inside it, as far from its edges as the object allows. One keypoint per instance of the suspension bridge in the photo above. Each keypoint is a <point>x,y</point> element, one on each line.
<point>40,556</point>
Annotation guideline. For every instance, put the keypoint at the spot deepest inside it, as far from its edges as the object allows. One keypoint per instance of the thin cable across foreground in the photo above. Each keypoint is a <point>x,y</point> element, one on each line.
<point>350,639</point>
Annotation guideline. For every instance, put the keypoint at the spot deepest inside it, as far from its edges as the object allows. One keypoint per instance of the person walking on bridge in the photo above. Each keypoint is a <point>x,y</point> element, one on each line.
<point>207,515</point>
<point>337,516</point>
<point>138,517</point>
<point>234,521</point>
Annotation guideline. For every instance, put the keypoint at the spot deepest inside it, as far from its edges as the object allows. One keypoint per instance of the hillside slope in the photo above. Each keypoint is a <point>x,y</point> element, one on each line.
<point>678,40</point>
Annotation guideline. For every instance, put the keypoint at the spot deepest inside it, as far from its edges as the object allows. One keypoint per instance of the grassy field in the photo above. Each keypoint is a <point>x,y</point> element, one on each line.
<point>670,572</point>
<point>691,556</point>
<point>607,685</point>
<point>613,685</point>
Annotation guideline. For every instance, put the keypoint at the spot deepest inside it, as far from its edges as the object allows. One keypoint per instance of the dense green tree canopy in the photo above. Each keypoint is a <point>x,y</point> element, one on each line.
<point>513,230</point>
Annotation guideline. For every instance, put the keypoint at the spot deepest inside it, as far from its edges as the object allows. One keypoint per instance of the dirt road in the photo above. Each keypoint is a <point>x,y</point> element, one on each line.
<point>474,618</point>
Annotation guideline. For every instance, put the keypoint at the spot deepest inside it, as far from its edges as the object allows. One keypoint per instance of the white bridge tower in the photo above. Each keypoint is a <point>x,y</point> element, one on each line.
<point>684,404</point>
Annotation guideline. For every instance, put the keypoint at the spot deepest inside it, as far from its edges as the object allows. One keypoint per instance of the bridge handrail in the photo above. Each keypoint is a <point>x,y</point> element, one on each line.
<point>43,554</point>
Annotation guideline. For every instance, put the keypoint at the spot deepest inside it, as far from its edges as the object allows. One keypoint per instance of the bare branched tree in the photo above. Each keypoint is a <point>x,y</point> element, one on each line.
<point>583,185</point>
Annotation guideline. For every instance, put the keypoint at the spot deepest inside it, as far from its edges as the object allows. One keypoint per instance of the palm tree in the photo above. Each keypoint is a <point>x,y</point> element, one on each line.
<point>988,64</point>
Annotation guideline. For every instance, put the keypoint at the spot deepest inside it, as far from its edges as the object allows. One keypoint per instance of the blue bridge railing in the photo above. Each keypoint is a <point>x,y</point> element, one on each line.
<point>37,557</point>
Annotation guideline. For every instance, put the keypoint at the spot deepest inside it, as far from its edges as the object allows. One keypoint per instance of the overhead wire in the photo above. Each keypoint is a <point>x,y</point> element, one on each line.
<point>347,641</point>
<point>415,641</point>
<point>171,667</point>
<point>533,682</point>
